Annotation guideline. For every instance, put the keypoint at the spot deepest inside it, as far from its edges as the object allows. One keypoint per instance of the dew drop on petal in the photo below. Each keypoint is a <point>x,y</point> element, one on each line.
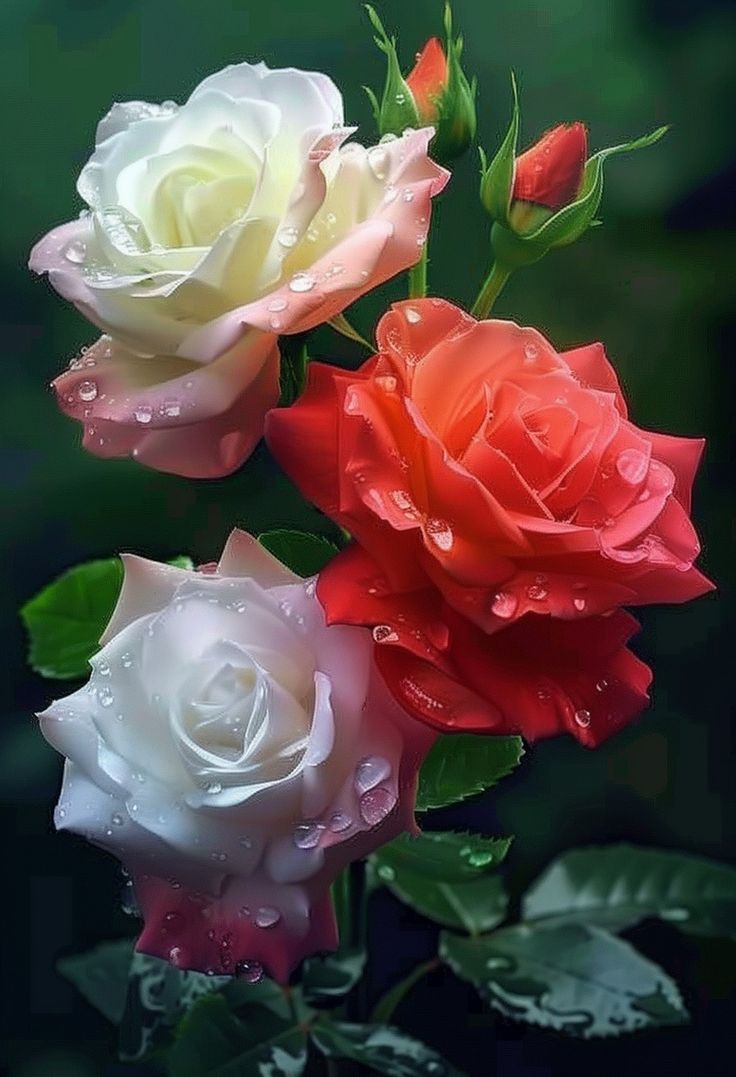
<point>214,788</point>
<point>266,916</point>
<point>143,414</point>
<point>537,592</point>
<point>76,252</point>
<point>531,351</point>
<point>87,391</point>
<point>386,872</point>
<point>407,195</point>
<point>302,282</point>
<point>441,534</point>
<point>105,696</point>
<point>307,835</point>
<point>384,634</point>
<point>601,685</point>
<point>339,822</point>
<point>412,315</point>
<point>582,717</point>
<point>116,819</point>
<point>376,804</point>
<point>277,305</point>
<point>632,465</point>
<point>579,603</point>
<point>504,604</point>
<point>387,382</point>
<point>249,971</point>
<point>171,409</point>
<point>176,956</point>
<point>370,772</point>
<point>288,236</point>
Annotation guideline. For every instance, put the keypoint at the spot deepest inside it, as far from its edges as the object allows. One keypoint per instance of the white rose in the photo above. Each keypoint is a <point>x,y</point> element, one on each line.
<point>212,228</point>
<point>235,753</point>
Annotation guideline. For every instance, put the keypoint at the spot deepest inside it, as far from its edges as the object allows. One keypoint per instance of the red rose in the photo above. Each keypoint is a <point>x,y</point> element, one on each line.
<point>494,484</point>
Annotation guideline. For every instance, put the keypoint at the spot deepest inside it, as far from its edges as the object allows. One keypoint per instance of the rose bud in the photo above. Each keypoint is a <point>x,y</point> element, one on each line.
<point>436,92</point>
<point>549,195</point>
<point>548,175</point>
<point>235,753</point>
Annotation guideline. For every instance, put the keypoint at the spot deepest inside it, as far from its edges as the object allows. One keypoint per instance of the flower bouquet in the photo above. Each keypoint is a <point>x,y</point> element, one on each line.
<point>258,739</point>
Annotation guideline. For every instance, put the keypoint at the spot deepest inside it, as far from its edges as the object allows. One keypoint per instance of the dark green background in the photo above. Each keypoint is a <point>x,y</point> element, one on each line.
<point>654,284</point>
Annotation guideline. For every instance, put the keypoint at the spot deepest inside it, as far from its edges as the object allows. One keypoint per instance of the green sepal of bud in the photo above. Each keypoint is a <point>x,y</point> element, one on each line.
<point>396,110</point>
<point>497,178</point>
<point>457,122</point>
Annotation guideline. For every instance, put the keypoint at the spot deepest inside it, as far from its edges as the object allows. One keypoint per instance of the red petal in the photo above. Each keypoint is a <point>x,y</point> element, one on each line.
<point>427,79</point>
<point>550,172</point>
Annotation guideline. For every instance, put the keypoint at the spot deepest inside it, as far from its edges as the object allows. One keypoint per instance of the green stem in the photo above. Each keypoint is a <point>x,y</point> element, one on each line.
<point>418,276</point>
<point>384,1008</point>
<point>490,291</point>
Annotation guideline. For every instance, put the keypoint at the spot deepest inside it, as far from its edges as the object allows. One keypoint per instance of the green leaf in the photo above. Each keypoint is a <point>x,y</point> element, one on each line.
<point>463,765</point>
<point>101,976</point>
<point>572,978</point>
<point>618,885</point>
<point>304,554</point>
<point>444,876</point>
<point>325,979</point>
<point>213,1042</point>
<point>65,620</point>
<point>498,178</point>
<point>158,995</point>
<point>381,1048</point>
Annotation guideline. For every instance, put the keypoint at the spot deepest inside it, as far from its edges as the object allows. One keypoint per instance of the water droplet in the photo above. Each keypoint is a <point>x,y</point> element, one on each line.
<point>87,390</point>
<point>105,696</point>
<point>421,239</point>
<point>277,304</point>
<point>266,916</point>
<point>103,668</point>
<point>504,604</point>
<point>288,236</point>
<point>171,409</point>
<point>378,160</point>
<point>376,804</point>
<point>143,414</point>
<point>302,282</point>
<point>176,956</point>
<point>117,819</point>
<point>387,382</point>
<point>250,971</point>
<point>386,872</point>
<point>407,195</point>
<point>275,323</point>
<point>579,603</point>
<point>582,717</point>
<point>384,634</point>
<point>391,193</point>
<point>76,252</point>
<point>218,855</point>
<point>536,592</point>
<point>412,315</point>
<point>440,533</point>
<point>601,685</point>
<point>213,788</point>
<point>307,835</point>
<point>531,351</point>
<point>632,465</point>
<point>370,772</point>
<point>245,841</point>
<point>339,821</point>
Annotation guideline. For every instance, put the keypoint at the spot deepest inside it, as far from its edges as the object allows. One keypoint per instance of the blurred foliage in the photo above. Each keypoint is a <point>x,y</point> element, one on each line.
<point>654,283</point>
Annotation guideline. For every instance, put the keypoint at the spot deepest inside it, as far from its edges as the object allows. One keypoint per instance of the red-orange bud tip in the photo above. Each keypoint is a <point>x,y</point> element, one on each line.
<point>427,79</point>
<point>550,172</point>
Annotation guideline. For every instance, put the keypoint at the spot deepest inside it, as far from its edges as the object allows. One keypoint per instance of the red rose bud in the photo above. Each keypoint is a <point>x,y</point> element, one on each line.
<point>550,172</point>
<point>435,92</point>
<point>428,80</point>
